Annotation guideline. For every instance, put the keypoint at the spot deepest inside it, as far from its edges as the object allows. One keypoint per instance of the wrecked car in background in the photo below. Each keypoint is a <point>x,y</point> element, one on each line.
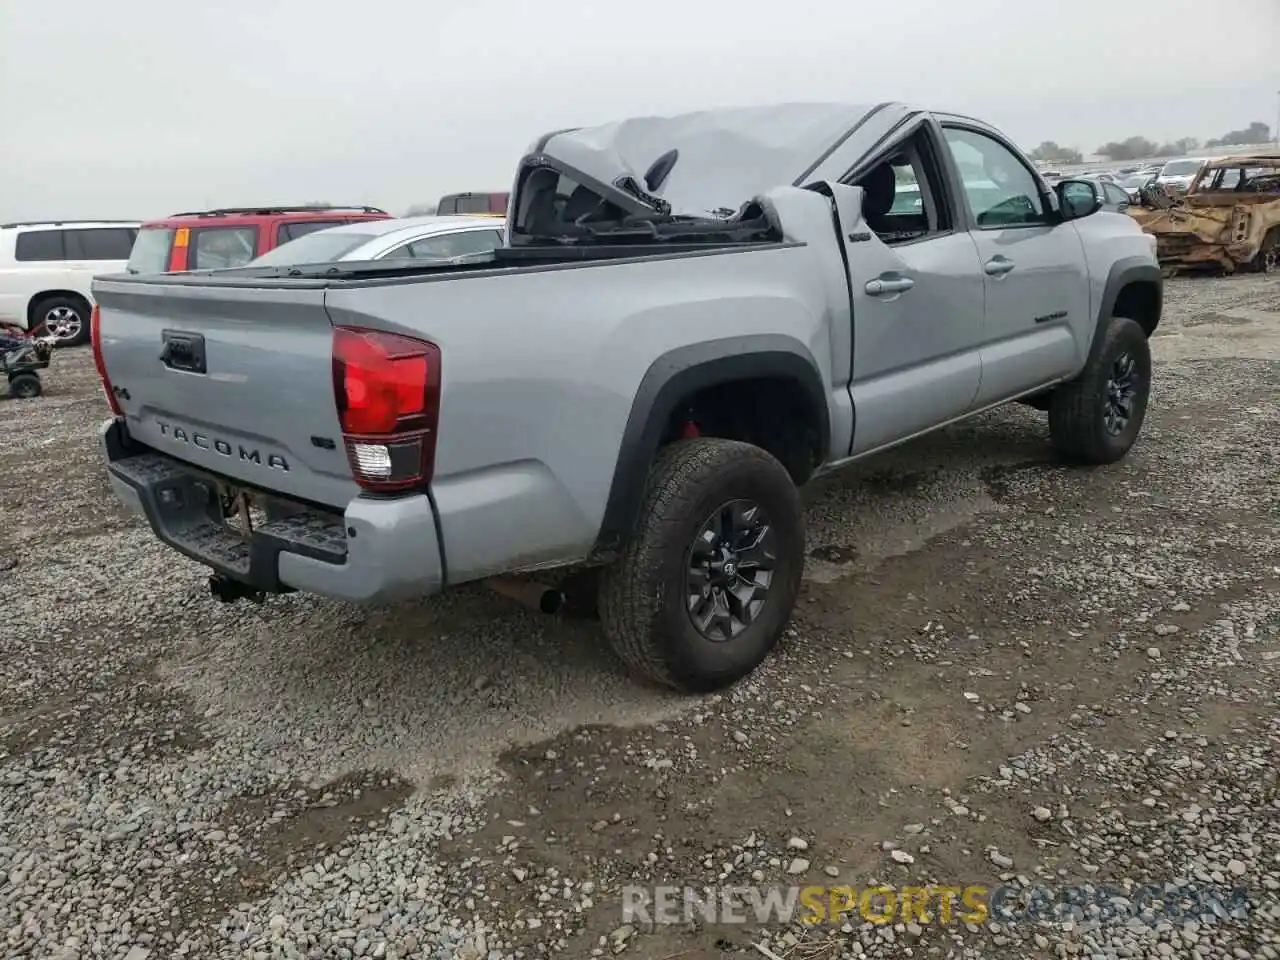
<point>1229,218</point>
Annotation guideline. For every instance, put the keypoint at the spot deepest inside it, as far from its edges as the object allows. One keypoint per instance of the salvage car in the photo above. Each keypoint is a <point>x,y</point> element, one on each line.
<point>409,238</point>
<point>692,316</point>
<point>1228,219</point>
<point>1132,184</point>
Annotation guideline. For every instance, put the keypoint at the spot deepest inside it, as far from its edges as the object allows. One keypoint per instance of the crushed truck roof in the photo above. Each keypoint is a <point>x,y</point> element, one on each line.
<point>725,157</point>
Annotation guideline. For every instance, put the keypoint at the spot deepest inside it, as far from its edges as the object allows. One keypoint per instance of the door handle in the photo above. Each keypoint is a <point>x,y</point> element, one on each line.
<point>998,266</point>
<point>888,283</point>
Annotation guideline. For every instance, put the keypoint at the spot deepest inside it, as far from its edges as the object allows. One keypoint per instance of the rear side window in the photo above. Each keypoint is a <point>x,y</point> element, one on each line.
<point>319,247</point>
<point>471,203</point>
<point>292,231</point>
<point>217,248</point>
<point>37,245</point>
<point>151,251</point>
<point>100,243</point>
<point>448,245</point>
<point>478,204</point>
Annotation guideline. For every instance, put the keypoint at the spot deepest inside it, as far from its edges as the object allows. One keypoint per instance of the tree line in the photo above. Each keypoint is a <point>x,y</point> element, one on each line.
<point>1139,148</point>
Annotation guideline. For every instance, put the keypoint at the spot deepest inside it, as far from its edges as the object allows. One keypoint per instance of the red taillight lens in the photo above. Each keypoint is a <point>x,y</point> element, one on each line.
<point>387,389</point>
<point>95,335</point>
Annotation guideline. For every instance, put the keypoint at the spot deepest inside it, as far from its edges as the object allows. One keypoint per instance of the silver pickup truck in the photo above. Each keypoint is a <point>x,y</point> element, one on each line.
<point>691,317</point>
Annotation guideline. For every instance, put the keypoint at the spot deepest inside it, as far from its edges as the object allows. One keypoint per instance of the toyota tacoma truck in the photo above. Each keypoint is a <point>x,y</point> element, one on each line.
<point>690,318</point>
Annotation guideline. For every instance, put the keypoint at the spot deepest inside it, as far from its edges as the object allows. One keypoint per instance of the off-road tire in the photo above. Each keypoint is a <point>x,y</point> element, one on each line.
<point>1077,421</point>
<point>643,594</point>
<point>24,386</point>
<point>1267,259</point>
<point>76,305</point>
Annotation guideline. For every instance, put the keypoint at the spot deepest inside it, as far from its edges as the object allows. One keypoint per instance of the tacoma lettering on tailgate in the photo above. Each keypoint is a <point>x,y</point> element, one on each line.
<point>272,461</point>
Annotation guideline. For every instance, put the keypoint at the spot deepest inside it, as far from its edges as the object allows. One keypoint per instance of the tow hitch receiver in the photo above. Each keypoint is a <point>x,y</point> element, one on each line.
<point>228,591</point>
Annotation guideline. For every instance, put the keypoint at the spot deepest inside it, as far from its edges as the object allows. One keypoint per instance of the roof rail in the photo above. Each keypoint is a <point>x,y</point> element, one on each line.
<point>267,210</point>
<point>58,223</point>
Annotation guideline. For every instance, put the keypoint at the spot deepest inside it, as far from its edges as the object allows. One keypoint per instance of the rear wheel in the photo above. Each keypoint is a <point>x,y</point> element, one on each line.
<point>1097,417</point>
<point>708,581</point>
<point>24,386</point>
<point>1267,259</point>
<point>64,318</point>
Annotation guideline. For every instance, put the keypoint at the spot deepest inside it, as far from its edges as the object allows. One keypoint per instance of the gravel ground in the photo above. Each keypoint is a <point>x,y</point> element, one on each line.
<point>1002,671</point>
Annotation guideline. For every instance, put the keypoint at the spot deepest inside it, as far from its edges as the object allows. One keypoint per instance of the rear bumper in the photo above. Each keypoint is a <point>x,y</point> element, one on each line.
<point>375,551</point>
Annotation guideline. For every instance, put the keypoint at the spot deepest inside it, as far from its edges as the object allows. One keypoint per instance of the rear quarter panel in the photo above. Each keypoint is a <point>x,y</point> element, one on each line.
<point>541,367</point>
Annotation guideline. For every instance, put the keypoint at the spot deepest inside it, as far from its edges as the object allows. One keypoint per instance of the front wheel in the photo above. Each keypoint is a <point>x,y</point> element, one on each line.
<point>24,386</point>
<point>709,579</point>
<point>1096,418</point>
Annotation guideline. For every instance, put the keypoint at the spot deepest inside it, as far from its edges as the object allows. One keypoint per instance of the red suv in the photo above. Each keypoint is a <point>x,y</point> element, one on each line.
<point>231,237</point>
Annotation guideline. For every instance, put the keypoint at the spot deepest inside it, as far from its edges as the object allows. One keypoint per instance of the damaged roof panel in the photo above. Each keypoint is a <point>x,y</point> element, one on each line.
<point>725,156</point>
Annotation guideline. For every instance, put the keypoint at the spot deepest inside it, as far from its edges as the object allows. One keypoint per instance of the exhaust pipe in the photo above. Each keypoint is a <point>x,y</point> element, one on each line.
<point>227,590</point>
<point>533,596</point>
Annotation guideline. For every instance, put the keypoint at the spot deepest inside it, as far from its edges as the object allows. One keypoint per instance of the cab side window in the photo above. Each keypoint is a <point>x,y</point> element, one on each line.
<point>904,195</point>
<point>300,228</point>
<point>1001,190</point>
<point>447,245</point>
<point>217,248</point>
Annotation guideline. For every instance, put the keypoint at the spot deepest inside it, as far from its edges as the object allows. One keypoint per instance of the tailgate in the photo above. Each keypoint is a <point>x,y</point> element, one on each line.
<point>236,379</point>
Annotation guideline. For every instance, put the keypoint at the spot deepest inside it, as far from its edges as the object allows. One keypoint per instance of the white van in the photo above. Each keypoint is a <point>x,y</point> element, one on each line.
<point>46,270</point>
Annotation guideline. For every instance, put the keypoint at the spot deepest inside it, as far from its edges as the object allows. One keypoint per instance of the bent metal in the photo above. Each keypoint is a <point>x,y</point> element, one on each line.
<point>273,460</point>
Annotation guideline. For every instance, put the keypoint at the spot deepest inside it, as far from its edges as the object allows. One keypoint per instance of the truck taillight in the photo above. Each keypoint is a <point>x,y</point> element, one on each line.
<point>387,388</point>
<point>95,335</point>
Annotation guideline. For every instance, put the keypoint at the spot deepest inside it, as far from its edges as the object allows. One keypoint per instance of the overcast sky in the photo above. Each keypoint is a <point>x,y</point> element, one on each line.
<point>139,108</point>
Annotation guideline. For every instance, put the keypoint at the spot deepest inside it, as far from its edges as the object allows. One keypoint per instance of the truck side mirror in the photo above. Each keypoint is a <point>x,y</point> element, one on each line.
<point>1077,198</point>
